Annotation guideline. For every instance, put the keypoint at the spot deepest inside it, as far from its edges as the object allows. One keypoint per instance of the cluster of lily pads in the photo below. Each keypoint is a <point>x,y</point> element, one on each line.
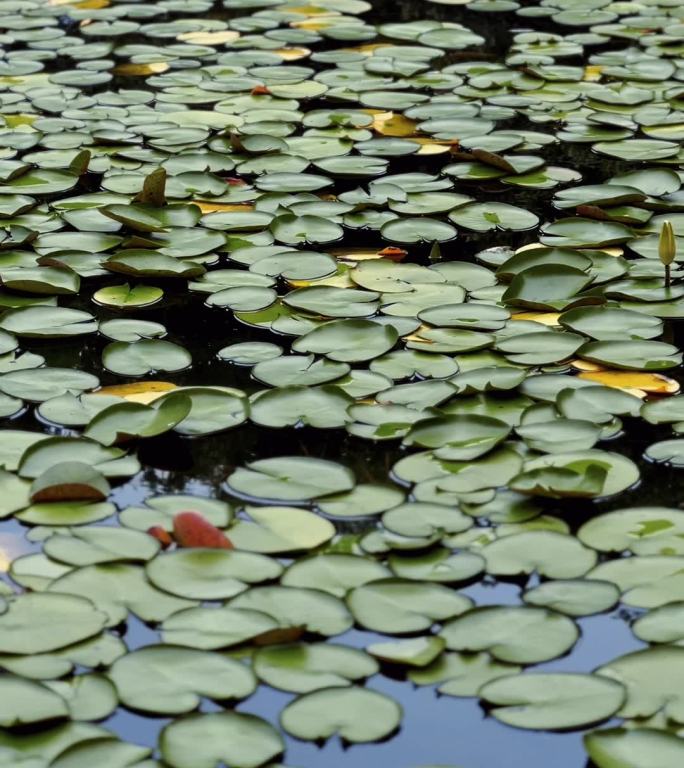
<point>397,237</point>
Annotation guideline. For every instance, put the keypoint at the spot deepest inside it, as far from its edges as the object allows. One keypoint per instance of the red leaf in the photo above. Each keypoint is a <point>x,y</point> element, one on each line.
<point>161,535</point>
<point>260,90</point>
<point>393,254</point>
<point>192,530</point>
<point>232,181</point>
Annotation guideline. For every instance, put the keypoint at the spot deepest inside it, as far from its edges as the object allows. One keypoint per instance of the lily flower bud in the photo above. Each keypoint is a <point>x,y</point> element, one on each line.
<point>667,246</point>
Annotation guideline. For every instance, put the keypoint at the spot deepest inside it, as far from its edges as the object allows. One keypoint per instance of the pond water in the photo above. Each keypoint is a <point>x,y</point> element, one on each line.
<point>431,250</point>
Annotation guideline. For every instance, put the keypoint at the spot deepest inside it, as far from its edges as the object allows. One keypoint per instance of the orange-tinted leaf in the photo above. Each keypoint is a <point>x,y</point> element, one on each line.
<point>190,529</point>
<point>260,90</point>
<point>161,535</point>
<point>654,383</point>
<point>68,492</point>
<point>393,254</point>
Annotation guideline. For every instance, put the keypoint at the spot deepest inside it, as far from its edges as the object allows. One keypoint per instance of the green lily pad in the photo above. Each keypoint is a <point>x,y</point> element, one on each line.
<point>207,740</point>
<point>357,715</point>
<point>141,357</point>
<point>395,606</point>
<point>651,678</point>
<point>280,530</point>
<point>167,680</point>
<point>38,623</point>
<point>546,701</point>
<point>302,667</point>
<point>209,574</point>
<point>621,748</point>
<point>298,607</point>
<point>519,635</point>
<point>290,478</point>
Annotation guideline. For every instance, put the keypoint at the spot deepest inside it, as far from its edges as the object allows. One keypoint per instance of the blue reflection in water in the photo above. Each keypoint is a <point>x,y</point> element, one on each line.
<point>436,730</point>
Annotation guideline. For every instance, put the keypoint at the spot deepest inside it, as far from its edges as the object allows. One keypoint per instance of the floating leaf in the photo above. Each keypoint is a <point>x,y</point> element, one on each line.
<point>552,701</point>
<point>358,715</point>
<point>167,680</point>
<point>190,529</point>
<point>206,740</point>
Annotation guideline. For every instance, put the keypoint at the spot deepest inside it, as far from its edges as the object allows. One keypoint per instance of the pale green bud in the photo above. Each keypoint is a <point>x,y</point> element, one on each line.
<point>667,247</point>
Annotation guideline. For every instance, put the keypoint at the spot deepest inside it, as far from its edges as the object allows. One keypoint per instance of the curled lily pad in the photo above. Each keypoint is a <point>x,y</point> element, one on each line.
<point>123,421</point>
<point>212,409</point>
